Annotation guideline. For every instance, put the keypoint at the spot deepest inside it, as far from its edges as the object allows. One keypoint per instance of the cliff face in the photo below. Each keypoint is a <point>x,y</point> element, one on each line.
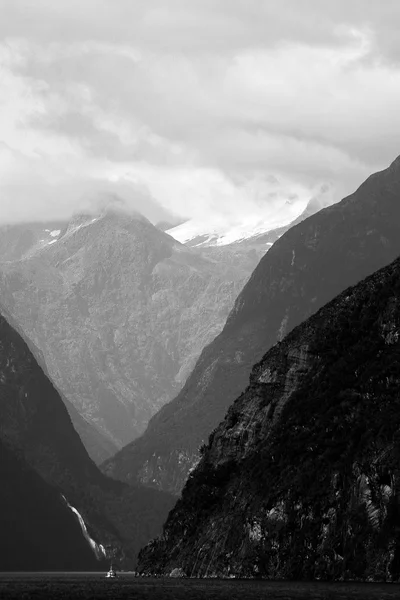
<point>36,429</point>
<point>308,266</point>
<point>120,312</point>
<point>302,478</point>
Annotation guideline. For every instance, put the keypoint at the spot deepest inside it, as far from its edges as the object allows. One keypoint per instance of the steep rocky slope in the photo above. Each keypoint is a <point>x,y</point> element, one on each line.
<point>96,443</point>
<point>39,531</point>
<point>302,478</point>
<point>120,312</point>
<point>35,426</point>
<point>308,266</point>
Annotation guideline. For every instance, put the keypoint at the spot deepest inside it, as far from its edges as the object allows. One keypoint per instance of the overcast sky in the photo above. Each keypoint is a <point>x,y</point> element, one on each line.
<point>197,107</point>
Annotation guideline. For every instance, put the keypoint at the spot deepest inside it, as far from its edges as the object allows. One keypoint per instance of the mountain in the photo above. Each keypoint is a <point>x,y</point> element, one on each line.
<point>120,312</point>
<point>224,231</point>
<point>38,529</point>
<point>96,443</point>
<point>302,478</point>
<point>45,459</point>
<point>255,229</point>
<point>304,269</point>
<point>264,240</point>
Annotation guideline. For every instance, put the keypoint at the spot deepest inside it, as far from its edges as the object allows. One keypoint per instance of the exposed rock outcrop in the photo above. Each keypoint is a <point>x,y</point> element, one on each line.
<point>302,478</point>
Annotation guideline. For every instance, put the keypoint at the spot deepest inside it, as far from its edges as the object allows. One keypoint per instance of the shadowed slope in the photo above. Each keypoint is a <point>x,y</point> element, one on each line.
<point>34,424</point>
<point>39,531</point>
<point>308,266</point>
<point>302,479</point>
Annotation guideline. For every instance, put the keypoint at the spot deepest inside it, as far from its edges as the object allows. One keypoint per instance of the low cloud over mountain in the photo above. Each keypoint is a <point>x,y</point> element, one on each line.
<point>192,108</point>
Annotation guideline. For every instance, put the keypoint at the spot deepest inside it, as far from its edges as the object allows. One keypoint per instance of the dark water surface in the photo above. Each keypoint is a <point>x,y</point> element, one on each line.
<point>94,586</point>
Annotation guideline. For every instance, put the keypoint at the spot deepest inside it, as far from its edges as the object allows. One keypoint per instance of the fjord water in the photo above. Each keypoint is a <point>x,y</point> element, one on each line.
<point>94,586</point>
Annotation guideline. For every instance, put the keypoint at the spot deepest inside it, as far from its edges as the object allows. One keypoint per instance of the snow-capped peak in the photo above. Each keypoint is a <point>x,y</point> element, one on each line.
<point>221,231</point>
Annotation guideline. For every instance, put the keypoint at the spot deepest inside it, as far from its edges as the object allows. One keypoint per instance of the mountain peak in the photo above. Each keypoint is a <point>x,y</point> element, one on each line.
<point>110,214</point>
<point>395,165</point>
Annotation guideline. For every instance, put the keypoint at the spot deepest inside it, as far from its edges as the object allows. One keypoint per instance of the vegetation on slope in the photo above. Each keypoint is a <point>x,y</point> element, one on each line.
<point>309,486</point>
<point>307,267</point>
<point>35,425</point>
<point>39,531</point>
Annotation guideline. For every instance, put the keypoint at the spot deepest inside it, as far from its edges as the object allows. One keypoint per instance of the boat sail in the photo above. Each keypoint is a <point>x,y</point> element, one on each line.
<point>112,573</point>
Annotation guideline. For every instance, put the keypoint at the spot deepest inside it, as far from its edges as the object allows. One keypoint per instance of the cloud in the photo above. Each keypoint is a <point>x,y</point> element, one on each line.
<point>192,107</point>
<point>38,189</point>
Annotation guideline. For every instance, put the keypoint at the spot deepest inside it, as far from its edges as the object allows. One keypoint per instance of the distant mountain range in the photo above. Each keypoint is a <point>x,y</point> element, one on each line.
<point>252,229</point>
<point>120,311</point>
<point>47,478</point>
<point>308,266</point>
<point>116,311</point>
<point>302,479</point>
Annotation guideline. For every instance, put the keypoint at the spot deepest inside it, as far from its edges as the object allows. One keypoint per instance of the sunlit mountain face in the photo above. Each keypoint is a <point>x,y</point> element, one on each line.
<point>120,311</point>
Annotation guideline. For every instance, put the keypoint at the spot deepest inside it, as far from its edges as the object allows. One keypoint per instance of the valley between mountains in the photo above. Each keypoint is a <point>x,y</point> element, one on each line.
<point>305,268</point>
<point>120,312</point>
<point>302,480</point>
<point>46,470</point>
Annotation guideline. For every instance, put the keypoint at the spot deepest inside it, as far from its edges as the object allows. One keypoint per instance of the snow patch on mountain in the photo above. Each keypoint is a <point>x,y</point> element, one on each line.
<point>224,230</point>
<point>277,211</point>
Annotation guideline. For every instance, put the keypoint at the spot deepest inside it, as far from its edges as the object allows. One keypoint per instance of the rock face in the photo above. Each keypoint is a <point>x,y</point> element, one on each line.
<point>308,266</point>
<point>302,478</point>
<point>44,453</point>
<point>120,312</point>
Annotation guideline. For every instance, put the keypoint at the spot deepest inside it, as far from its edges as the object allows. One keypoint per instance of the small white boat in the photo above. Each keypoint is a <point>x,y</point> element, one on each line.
<point>112,573</point>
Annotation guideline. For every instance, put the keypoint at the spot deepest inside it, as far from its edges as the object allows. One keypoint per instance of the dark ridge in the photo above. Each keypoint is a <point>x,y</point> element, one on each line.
<point>38,530</point>
<point>302,478</point>
<point>307,267</point>
<point>34,424</point>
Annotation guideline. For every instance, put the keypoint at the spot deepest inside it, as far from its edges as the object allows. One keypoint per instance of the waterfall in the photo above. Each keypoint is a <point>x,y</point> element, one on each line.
<point>98,549</point>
